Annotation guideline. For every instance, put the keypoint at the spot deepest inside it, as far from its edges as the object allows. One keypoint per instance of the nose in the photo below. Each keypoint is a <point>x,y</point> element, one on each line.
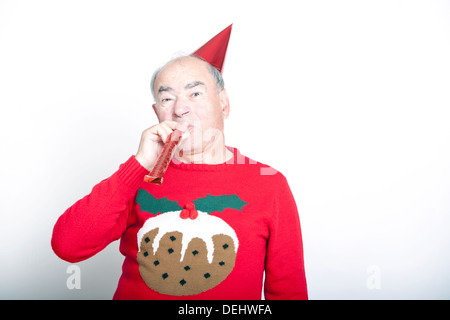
<point>181,108</point>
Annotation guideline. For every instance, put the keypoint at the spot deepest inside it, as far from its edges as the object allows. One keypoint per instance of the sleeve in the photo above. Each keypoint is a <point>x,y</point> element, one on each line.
<point>285,277</point>
<point>99,218</point>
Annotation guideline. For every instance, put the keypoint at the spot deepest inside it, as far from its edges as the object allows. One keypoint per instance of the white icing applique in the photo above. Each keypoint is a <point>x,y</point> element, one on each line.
<point>204,227</point>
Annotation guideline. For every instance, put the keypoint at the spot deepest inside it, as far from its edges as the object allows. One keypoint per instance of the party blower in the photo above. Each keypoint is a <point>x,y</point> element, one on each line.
<point>157,174</point>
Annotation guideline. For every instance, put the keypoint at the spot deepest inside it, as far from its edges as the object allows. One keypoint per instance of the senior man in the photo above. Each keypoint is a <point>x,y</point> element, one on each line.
<point>217,223</point>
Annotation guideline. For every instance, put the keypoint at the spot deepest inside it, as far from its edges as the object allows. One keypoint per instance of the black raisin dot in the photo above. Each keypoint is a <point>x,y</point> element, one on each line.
<point>156,262</point>
<point>147,240</point>
<point>165,275</point>
<point>170,250</point>
<point>173,238</point>
<point>225,246</point>
<point>145,253</point>
<point>183,282</point>
<point>221,263</point>
<point>195,252</point>
<point>187,268</point>
<point>207,275</point>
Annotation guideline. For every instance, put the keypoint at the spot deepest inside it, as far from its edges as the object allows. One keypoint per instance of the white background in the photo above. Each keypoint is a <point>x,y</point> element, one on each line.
<point>350,100</point>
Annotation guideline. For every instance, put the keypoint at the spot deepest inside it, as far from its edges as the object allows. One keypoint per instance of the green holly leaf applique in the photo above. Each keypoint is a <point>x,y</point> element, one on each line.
<point>208,204</point>
<point>211,203</point>
<point>153,205</point>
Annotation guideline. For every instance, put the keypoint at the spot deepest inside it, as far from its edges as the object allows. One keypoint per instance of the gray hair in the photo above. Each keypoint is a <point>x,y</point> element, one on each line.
<point>220,84</point>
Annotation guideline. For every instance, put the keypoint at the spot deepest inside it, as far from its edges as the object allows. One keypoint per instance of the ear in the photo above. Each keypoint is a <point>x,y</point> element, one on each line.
<point>156,112</point>
<point>224,103</point>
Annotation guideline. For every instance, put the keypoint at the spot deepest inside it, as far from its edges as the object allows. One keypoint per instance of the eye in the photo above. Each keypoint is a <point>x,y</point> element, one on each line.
<point>196,94</point>
<point>166,99</point>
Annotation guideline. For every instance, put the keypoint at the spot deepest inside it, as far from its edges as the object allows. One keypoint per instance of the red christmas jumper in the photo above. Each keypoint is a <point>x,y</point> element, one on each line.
<point>251,202</point>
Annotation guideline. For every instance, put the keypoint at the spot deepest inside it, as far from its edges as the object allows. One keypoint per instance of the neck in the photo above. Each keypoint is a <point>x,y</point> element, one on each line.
<point>213,152</point>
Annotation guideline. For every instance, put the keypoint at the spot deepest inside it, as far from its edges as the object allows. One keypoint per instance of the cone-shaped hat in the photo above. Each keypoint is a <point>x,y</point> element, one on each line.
<point>215,50</point>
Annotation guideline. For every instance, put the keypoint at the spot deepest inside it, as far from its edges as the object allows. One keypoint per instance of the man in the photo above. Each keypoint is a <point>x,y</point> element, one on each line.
<point>217,222</point>
<point>187,96</point>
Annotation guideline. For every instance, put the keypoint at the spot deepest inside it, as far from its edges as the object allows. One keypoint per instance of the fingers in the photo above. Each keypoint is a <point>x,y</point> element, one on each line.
<point>153,138</point>
<point>182,126</point>
<point>165,128</point>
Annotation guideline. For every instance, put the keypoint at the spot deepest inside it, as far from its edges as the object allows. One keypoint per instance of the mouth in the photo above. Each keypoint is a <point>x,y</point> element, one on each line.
<point>191,128</point>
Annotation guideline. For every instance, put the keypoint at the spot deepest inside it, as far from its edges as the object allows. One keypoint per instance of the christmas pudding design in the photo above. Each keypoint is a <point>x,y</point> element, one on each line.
<point>186,251</point>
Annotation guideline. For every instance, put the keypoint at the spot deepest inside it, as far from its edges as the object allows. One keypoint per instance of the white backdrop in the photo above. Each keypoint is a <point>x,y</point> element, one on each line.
<point>348,99</point>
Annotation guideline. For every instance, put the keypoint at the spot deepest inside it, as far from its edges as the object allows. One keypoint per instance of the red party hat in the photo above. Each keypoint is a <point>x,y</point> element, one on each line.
<point>215,50</point>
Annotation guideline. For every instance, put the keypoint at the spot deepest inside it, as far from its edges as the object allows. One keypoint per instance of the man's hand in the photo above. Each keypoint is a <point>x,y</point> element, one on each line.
<point>152,141</point>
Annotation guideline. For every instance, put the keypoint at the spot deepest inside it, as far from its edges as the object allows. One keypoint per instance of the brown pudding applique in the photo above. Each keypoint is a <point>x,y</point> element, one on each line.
<point>188,251</point>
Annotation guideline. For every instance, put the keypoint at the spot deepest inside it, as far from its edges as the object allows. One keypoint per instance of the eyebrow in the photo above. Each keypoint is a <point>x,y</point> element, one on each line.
<point>162,89</point>
<point>190,85</point>
<point>194,84</point>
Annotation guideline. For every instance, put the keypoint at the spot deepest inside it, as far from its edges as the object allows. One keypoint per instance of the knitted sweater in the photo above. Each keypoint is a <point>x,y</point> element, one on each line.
<point>208,232</point>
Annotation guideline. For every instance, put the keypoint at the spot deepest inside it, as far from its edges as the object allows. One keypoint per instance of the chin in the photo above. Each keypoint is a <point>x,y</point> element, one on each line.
<point>189,145</point>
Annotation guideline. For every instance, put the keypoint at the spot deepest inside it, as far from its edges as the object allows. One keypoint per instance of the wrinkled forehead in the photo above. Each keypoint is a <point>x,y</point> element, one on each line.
<point>181,70</point>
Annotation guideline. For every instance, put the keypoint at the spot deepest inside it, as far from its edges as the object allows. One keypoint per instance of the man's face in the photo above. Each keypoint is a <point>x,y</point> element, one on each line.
<point>185,90</point>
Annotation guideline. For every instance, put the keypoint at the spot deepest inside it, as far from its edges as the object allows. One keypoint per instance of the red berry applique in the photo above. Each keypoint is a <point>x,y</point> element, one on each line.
<point>184,214</point>
<point>189,211</point>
